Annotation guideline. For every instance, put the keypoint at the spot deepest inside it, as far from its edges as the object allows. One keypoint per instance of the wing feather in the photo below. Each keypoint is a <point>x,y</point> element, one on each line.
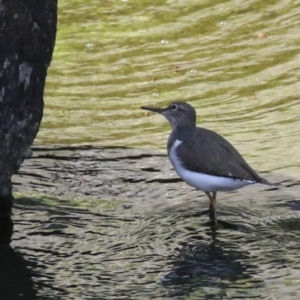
<point>215,156</point>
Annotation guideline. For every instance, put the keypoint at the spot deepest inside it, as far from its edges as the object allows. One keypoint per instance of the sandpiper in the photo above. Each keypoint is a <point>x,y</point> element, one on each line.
<point>202,158</point>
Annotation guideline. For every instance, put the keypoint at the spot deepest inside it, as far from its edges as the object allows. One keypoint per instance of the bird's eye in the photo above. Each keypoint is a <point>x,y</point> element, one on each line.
<point>174,106</point>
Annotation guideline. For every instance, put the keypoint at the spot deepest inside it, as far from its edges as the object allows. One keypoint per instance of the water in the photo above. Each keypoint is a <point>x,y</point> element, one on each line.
<point>116,223</point>
<point>125,227</point>
<point>112,58</point>
<point>162,251</point>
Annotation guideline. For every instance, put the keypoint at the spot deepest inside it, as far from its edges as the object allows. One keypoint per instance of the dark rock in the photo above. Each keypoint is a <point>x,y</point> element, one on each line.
<point>27,37</point>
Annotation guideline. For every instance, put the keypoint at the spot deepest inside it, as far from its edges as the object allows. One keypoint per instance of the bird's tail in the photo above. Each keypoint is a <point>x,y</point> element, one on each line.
<point>266,182</point>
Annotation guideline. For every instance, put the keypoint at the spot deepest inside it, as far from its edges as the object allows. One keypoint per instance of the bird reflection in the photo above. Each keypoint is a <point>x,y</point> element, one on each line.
<point>205,261</point>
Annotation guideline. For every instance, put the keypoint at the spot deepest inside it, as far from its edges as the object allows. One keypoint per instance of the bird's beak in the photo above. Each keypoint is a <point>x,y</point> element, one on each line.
<point>154,109</point>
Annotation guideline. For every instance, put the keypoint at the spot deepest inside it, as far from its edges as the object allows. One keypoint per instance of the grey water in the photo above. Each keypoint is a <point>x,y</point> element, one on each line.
<point>146,235</point>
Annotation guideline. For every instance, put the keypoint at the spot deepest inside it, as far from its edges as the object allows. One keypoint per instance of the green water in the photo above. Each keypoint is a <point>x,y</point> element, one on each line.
<point>114,56</point>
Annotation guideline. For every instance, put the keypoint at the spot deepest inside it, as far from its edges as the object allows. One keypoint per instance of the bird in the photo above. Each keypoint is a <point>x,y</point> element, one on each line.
<point>203,158</point>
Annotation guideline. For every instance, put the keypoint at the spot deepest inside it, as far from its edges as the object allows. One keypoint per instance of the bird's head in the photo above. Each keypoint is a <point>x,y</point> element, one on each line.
<point>177,113</point>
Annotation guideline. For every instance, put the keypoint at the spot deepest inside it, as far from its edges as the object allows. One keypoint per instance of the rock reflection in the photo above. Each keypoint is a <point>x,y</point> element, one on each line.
<point>15,272</point>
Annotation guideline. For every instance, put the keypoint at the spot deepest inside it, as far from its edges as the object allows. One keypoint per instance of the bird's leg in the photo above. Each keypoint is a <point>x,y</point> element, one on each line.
<point>212,206</point>
<point>214,195</point>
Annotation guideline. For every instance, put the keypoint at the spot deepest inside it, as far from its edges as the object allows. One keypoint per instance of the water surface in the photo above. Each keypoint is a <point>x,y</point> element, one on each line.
<point>236,62</point>
<point>160,252</point>
<point>125,227</point>
<point>117,223</point>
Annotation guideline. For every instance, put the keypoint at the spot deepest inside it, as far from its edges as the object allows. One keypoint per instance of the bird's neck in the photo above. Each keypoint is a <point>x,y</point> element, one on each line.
<point>184,126</point>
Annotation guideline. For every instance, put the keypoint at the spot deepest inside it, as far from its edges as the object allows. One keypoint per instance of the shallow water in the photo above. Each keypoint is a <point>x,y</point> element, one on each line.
<point>160,252</point>
<point>119,224</point>
<point>148,237</point>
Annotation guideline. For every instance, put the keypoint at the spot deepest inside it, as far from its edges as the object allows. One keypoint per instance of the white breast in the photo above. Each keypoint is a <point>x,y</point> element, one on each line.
<point>200,181</point>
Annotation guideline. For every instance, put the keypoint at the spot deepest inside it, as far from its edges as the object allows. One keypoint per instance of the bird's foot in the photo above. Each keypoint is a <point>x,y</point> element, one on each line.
<point>212,224</point>
<point>213,214</point>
